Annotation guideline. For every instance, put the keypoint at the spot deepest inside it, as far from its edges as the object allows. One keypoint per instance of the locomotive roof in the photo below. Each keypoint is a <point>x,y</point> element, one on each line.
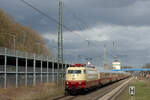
<point>76,68</point>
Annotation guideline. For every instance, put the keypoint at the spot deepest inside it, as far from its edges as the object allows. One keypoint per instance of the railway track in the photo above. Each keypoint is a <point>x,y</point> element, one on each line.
<point>65,98</point>
<point>115,91</point>
<point>93,95</point>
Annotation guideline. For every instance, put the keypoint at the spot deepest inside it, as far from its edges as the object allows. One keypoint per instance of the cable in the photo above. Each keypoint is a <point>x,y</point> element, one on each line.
<point>41,12</point>
<point>54,20</point>
<point>49,17</point>
<point>78,18</point>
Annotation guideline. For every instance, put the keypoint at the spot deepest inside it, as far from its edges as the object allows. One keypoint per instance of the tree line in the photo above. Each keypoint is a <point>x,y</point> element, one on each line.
<point>16,36</point>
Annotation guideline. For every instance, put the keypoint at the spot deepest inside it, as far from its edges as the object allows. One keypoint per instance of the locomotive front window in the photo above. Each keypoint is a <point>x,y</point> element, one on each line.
<point>74,71</point>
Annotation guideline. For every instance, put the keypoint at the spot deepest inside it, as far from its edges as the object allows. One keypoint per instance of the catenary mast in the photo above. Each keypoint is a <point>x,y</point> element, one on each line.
<point>60,41</point>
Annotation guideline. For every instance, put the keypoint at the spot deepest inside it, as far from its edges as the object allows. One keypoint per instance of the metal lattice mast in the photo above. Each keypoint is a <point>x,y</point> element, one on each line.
<point>60,41</point>
<point>61,35</point>
<point>104,56</point>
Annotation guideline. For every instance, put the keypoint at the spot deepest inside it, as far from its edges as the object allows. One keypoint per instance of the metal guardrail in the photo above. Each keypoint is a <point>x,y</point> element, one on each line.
<point>17,53</point>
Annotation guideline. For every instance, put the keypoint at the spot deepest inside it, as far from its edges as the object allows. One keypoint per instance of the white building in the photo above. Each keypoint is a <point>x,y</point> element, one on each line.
<point>116,64</point>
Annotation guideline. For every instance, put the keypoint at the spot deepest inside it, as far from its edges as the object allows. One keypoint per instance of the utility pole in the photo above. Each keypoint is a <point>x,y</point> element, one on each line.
<point>98,60</point>
<point>14,40</point>
<point>61,37</point>
<point>60,42</point>
<point>104,56</point>
<point>115,55</point>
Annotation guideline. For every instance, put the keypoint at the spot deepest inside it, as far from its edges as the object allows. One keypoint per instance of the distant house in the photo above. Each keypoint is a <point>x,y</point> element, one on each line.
<point>116,64</point>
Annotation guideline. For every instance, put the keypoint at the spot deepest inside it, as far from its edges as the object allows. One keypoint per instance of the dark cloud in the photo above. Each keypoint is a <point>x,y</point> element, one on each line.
<point>100,21</point>
<point>92,12</point>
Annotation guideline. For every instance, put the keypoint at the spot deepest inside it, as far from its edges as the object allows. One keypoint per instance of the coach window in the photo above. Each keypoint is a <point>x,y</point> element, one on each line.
<point>84,71</point>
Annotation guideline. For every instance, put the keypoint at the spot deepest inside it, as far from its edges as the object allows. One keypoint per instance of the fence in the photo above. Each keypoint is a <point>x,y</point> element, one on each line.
<point>21,68</point>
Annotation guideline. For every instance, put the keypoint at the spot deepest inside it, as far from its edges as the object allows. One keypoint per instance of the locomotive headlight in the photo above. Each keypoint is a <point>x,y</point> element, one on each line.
<point>67,82</point>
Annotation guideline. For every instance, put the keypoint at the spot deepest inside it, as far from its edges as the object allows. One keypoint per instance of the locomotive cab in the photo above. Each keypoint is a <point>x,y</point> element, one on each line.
<point>75,74</point>
<point>75,77</point>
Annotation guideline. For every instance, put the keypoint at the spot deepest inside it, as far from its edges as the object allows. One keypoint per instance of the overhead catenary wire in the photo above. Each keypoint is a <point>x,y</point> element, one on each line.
<point>64,26</point>
<point>42,13</point>
<point>84,24</point>
<point>50,18</point>
<point>74,14</point>
<point>55,21</point>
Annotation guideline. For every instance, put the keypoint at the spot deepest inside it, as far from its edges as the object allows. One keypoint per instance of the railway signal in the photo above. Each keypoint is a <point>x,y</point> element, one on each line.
<point>132,90</point>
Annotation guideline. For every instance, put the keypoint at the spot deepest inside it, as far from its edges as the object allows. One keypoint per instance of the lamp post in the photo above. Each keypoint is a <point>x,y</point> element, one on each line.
<point>104,56</point>
<point>38,44</point>
<point>98,60</point>
<point>14,39</point>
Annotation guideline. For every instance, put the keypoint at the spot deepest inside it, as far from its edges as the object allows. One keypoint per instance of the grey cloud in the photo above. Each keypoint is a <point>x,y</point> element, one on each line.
<point>92,12</point>
<point>129,21</point>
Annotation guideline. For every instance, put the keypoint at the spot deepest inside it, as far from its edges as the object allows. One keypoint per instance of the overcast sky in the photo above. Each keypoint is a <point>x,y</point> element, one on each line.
<point>124,22</point>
